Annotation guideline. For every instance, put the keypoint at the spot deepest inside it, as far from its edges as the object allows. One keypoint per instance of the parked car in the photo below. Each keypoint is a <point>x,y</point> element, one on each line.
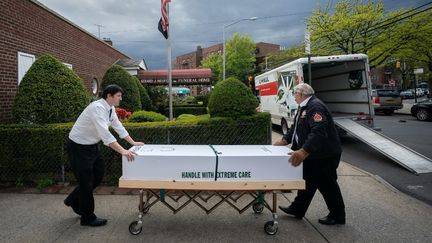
<point>419,92</point>
<point>406,94</point>
<point>386,100</point>
<point>422,110</point>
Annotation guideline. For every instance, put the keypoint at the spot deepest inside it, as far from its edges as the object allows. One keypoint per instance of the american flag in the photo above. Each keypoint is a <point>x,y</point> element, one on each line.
<point>163,22</point>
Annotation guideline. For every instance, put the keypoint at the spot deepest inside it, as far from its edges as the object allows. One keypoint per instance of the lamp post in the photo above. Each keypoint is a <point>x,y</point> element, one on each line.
<point>223,38</point>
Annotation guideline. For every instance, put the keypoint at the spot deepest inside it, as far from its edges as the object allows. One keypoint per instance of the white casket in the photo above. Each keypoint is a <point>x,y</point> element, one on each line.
<point>195,167</point>
<point>170,162</point>
<point>255,163</point>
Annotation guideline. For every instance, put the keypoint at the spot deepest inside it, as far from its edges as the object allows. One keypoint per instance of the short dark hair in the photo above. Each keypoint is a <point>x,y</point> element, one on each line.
<point>111,89</point>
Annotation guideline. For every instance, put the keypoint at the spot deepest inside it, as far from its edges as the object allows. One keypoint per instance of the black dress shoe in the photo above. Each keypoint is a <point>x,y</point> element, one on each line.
<point>95,222</point>
<point>73,208</point>
<point>290,211</point>
<point>331,221</point>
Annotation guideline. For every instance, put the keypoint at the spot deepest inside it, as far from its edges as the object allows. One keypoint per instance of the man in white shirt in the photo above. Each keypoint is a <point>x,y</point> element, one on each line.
<point>91,127</point>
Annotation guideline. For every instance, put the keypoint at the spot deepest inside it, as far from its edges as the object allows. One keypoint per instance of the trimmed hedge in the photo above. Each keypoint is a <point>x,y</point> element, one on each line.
<point>49,93</point>
<point>146,102</point>
<point>30,153</point>
<point>131,96</point>
<point>232,98</point>
<point>186,109</point>
<point>146,116</point>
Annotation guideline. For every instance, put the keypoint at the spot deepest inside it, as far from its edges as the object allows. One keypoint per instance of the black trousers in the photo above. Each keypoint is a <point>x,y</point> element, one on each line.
<point>88,168</point>
<point>320,174</point>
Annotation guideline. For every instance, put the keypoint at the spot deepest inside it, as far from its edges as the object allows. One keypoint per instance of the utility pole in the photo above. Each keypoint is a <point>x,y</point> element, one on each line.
<point>99,27</point>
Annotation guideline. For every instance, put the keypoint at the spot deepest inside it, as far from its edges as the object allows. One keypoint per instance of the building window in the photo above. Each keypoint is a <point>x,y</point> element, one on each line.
<point>24,63</point>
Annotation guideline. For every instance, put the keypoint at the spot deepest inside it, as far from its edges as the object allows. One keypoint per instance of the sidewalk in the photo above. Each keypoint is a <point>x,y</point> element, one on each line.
<point>376,212</point>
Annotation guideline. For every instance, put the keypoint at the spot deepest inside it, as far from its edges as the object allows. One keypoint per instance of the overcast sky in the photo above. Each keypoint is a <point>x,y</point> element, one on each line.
<point>132,24</point>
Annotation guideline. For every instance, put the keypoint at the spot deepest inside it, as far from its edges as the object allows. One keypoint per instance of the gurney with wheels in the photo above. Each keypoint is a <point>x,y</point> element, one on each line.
<point>178,175</point>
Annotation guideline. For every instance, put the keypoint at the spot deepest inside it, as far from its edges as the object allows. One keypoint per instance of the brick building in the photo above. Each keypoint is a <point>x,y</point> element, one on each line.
<point>193,59</point>
<point>29,29</point>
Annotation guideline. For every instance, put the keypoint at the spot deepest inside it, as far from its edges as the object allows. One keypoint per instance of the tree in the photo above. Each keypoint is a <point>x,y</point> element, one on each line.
<point>131,96</point>
<point>240,56</point>
<point>355,27</point>
<point>49,93</point>
<point>214,62</point>
<point>417,52</point>
<point>240,59</point>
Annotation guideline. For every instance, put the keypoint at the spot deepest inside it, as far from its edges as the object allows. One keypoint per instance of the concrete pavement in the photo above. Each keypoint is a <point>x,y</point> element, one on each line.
<point>376,212</point>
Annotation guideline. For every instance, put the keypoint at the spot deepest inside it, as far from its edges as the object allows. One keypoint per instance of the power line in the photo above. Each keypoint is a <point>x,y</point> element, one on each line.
<point>397,20</point>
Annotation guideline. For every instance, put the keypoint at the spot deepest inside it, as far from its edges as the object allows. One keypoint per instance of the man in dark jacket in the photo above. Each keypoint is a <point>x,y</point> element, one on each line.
<point>315,141</point>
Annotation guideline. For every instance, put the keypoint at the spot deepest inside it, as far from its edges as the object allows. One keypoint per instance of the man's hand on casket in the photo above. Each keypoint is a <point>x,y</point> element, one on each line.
<point>138,144</point>
<point>129,154</point>
<point>297,157</point>
<point>280,142</point>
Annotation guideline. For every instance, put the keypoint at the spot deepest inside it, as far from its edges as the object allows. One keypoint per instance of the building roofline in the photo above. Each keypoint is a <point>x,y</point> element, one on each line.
<point>74,25</point>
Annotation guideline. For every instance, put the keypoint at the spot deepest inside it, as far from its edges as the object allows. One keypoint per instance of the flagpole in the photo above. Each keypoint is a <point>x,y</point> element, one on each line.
<point>169,68</point>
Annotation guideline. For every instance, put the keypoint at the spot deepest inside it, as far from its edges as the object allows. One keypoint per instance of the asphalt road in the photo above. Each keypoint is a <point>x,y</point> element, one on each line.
<point>406,130</point>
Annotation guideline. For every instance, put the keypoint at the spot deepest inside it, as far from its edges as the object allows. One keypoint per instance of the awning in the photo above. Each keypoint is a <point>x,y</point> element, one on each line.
<point>179,76</point>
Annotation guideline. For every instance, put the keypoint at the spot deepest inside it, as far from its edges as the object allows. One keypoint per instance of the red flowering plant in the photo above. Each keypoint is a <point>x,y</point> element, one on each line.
<point>122,114</point>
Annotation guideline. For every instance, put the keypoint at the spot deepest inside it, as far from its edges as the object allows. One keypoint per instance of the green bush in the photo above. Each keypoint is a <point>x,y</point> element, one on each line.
<point>146,116</point>
<point>159,97</point>
<point>34,153</point>
<point>131,95</point>
<point>179,110</point>
<point>203,99</point>
<point>186,117</point>
<point>49,93</point>
<point>146,102</point>
<point>231,98</point>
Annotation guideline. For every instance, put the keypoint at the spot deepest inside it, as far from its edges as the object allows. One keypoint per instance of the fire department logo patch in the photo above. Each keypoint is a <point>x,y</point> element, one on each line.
<point>317,117</point>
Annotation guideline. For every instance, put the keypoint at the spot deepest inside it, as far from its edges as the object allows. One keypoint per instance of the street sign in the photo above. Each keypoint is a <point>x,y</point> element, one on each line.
<point>307,42</point>
<point>418,71</point>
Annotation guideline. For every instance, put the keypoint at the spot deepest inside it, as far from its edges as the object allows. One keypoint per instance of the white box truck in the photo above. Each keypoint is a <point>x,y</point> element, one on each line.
<point>341,82</point>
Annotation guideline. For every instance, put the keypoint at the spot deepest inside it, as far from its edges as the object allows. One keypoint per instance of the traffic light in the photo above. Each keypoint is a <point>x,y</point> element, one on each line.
<point>398,64</point>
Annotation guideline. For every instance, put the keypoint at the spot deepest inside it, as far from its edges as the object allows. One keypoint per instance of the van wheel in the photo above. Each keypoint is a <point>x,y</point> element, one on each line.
<point>284,126</point>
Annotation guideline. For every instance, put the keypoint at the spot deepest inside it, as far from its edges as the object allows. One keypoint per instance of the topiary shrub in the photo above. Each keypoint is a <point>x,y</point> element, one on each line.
<point>146,116</point>
<point>159,97</point>
<point>131,96</point>
<point>49,93</point>
<point>231,98</point>
<point>146,102</point>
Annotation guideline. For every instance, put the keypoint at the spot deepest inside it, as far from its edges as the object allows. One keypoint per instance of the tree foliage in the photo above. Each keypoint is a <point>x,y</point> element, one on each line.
<point>240,56</point>
<point>214,62</point>
<point>146,102</point>
<point>49,93</point>
<point>239,59</point>
<point>364,27</point>
<point>131,96</point>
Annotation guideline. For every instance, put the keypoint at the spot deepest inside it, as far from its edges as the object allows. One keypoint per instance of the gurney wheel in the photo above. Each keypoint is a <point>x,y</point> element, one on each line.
<point>134,228</point>
<point>270,228</point>
<point>258,207</point>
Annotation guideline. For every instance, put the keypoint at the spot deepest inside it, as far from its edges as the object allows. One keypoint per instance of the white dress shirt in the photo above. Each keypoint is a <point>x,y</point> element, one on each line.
<point>93,125</point>
<point>303,103</point>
